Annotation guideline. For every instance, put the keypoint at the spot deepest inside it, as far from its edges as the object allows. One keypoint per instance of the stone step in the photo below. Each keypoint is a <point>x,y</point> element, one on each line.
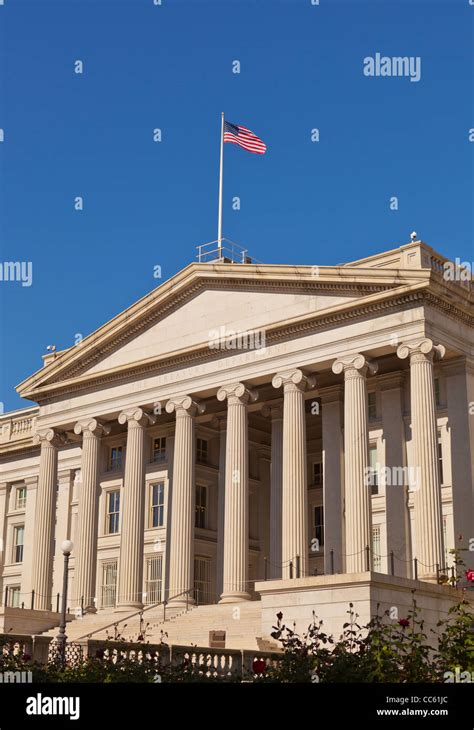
<point>180,627</point>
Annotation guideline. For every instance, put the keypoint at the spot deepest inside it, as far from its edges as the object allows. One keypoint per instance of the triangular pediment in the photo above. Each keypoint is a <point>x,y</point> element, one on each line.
<point>184,313</point>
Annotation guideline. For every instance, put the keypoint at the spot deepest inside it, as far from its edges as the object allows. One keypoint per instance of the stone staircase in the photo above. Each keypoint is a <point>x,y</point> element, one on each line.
<point>240,621</point>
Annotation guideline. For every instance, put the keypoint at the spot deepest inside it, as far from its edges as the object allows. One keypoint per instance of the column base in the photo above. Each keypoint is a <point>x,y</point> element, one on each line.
<point>85,610</point>
<point>128,607</point>
<point>428,577</point>
<point>90,609</point>
<point>181,601</point>
<point>235,597</point>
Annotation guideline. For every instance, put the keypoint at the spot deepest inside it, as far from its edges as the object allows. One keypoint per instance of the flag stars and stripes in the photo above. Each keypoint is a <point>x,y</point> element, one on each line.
<point>236,134</point>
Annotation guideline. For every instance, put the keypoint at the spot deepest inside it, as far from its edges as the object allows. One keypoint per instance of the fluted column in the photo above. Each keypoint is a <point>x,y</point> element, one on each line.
<point>88,510</point>
<point>427,497</point>
<point>45,517</point>
<point>4,497</point>
<point>183,500</point>
<point>131,538</point>
<point>356,459</point>
<point>332,400</point>
<point>236,519</point>
<point>222,424</point>
<point>294,468</point>
<point>275,412</point>
<point>396,494</point>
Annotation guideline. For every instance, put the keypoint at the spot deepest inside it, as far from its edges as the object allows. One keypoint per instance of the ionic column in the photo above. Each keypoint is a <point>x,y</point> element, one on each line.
<point>236,519</point>
<point>460,397</point>
<point>133,510</point>
<point>183,500</point>
<point>333,478</point>
<point>45,517</point>
<point>276,487</point>
<point>88,510</point>
<point>356,460</point>
<point>4,496</point>
<point>427,497</point>
<point>294,479</point>
<point>222,425</point>
<point>396,494</point>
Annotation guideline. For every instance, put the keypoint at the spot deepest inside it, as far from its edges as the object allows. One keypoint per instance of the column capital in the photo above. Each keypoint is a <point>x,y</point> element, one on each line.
<point>49,436</point>
<point>136,415</point>
<point>237,392</point>
<point>294,379</point>
<point>185,405</point>
<point>93,426</point>
<point>420,350</point>
<point>354,364</point>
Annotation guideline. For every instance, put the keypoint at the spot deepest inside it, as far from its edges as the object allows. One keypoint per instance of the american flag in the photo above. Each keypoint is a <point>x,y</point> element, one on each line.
<point>242,136</point>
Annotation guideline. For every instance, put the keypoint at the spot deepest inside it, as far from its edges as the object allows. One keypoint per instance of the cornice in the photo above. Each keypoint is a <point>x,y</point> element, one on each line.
<point>449,308</point>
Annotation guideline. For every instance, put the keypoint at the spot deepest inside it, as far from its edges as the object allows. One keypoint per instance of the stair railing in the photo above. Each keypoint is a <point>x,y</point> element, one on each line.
<point>140,613</point>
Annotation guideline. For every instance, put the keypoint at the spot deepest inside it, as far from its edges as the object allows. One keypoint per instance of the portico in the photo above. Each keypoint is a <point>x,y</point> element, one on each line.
<point>288,524</point>
<point>195,472</point>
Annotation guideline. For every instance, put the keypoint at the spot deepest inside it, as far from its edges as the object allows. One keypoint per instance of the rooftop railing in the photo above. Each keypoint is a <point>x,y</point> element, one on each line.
<point>225,252</point>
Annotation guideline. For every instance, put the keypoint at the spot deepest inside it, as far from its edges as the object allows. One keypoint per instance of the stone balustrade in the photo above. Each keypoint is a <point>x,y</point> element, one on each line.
<point>18,428</point>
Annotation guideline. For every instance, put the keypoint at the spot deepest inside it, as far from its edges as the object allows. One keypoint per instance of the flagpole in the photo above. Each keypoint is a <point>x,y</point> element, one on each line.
<point>221,171</point>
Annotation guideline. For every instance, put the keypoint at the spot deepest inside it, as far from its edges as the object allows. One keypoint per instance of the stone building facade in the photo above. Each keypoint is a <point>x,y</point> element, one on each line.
<point>246,422</point>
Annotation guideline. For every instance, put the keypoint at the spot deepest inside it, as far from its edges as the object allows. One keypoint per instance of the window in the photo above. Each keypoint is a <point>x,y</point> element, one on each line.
<point>319,525</point>
<point>201,451</point>
<point>202,580</point>
<point>437,392</point>
<point>201,506</point>
<point>109,584</point>
<point>18,536</point>
<point>20,498</point>
<point>159,450</point>
<point>373,470</point>
<point>157,505</point>
<point>153,584</point>
<point>14,596</point>
<point>372,405</point>
<point>376,557</point>
<point>113,511</point>
<point>115,458</point>
<point>440,460</point>
<point>318,474</point>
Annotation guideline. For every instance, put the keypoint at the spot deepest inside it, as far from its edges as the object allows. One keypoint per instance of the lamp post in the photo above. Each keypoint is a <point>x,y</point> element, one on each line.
<point>66,547</point>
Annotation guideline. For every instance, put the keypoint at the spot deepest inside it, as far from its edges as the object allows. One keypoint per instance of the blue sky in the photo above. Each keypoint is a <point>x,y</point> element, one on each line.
<point>148,204</point>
